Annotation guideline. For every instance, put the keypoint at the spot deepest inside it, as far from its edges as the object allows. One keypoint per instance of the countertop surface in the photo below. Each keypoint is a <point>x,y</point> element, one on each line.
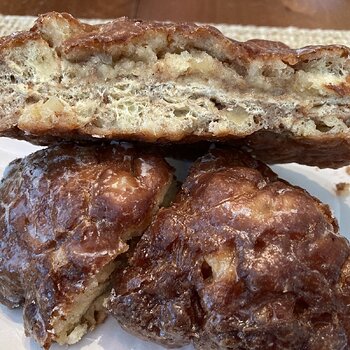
<point>330,14</point>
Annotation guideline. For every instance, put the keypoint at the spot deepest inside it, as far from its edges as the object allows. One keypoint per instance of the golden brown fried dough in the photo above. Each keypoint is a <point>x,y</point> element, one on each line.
<point>241,260</point>
<point>66,214</point>
<point>175,82</point>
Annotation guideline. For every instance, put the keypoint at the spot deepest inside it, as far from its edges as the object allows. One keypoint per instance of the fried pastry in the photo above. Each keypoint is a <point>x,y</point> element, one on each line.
<point>67,214</point>
<point>167,82</point>
<point>241,260</point>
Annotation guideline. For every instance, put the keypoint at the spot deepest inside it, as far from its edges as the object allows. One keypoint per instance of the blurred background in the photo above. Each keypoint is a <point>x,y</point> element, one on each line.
<point>325,14</point>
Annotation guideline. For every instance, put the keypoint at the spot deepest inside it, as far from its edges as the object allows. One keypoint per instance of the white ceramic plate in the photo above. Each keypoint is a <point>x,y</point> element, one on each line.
<point>109,336</point>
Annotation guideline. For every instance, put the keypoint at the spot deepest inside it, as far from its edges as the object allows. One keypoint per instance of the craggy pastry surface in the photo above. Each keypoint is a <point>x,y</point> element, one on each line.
<point>241,260</point>
<point>66,213</point>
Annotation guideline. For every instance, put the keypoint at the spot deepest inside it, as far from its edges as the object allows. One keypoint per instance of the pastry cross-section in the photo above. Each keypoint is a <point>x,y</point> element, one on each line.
<point>175,82</point>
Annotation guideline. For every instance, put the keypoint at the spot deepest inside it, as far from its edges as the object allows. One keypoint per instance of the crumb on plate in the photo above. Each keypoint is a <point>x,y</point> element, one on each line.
<point>342,188</point>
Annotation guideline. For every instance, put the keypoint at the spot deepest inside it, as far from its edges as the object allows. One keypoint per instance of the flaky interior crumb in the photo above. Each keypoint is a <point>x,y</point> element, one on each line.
<point>161,93</point>
<point>73,320</point>
<point>69,325</point>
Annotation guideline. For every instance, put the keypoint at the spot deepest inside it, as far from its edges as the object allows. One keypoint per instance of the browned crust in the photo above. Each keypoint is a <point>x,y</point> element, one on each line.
<point>122,31</point>
<point>240,260</point>
<point>17,39</point>
<point>125,30</point>
<point>327,151</point>
<point>341,89</point>
<point>63,219</point>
